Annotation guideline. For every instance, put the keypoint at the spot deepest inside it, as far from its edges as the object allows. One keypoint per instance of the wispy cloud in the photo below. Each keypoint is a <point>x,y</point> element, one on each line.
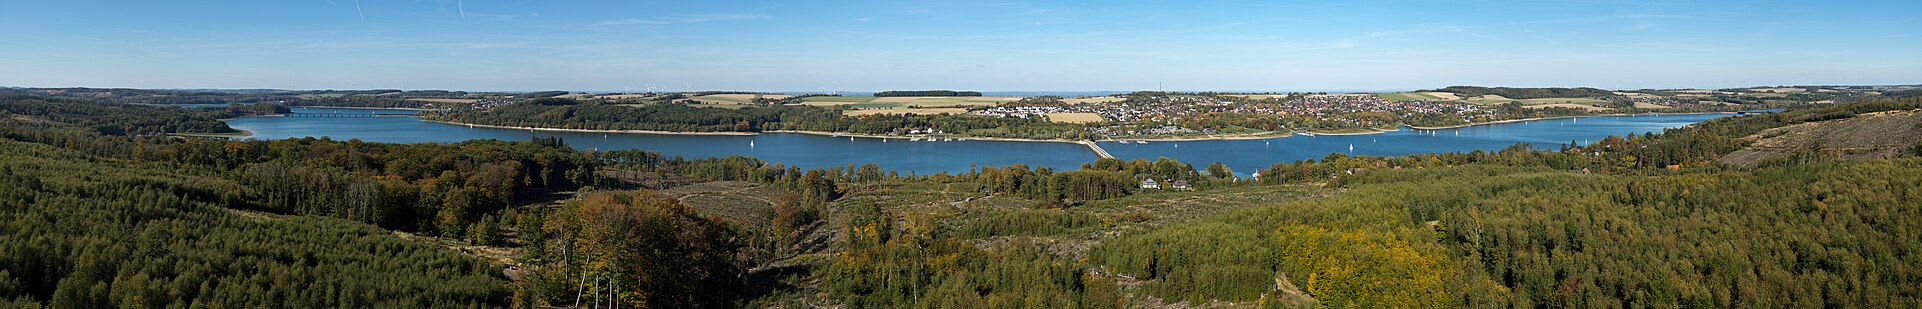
<point>688,19</point>
<point>1415,30</point>
<point>390,44</point>
<point>867,19</point>
<point>1034,12</point>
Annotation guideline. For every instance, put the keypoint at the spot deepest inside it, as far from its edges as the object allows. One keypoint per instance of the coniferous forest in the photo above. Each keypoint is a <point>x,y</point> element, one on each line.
<point>103,204</point>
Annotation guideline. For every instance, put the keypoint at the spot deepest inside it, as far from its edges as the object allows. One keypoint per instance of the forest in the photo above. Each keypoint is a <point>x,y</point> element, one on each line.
<point>132,218</point>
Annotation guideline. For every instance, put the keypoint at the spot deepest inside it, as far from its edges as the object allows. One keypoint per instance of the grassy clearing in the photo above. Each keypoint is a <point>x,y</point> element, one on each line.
<point>1405,96</point>
<point>743,202</point>
<point>1488,100</point>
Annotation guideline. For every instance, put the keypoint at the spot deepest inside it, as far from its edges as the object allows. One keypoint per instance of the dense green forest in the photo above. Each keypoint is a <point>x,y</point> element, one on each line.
<point>125,119</point>
<point>82,231</point>
<point>94,217</point>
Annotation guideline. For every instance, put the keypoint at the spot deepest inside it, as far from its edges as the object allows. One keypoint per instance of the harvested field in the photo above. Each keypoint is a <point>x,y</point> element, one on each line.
<point>1646,105</point>
<point>1075,117</point>
<point>907,111</point>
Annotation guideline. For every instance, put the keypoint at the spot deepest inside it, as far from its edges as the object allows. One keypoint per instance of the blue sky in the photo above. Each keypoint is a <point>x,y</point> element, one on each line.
<point>972,45</point>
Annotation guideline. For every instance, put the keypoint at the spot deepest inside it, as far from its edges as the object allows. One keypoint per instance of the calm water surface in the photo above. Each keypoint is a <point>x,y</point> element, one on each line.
<point>813,151</point>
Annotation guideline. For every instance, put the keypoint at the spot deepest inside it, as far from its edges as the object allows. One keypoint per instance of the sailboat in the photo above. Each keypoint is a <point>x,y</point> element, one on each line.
<point>1351,149</point>
<point>750,144</point>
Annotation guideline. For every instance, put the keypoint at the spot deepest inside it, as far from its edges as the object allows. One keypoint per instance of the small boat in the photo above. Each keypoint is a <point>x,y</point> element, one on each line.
<point>750,144</point>
<point>917,139</point>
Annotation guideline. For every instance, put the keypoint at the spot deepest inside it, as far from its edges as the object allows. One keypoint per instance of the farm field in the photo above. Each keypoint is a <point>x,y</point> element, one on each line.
<point>907,111</point>
<point>737,98</point>
<point>1094,100</point>
<point>1075,117</point>
<point>1488,100</point>
<point>1420,96</point>
<point>1646,105</point>
<point>899,102</point>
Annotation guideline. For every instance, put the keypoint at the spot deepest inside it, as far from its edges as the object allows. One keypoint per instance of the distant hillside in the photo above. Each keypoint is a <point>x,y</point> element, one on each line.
<point>927,93</point>
<point>1528,93</point>
<point>1870,136</point>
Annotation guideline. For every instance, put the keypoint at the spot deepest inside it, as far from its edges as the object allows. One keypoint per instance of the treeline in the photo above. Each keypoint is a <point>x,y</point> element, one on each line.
<point>634,249</point>
<point>126,119</point>
<point>84,231</point>
<point>1528,93</point>
<point>1823,234</point>
<point>927,93</point>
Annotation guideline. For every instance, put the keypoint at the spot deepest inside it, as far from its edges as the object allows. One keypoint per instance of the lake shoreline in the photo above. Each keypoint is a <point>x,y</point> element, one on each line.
<point>591,130</point>
<point>1253,136</point>
<point>376,108</point>
<point>1556,117</point>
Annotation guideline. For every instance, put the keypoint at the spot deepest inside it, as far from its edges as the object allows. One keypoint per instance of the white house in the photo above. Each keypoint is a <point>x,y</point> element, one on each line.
<point>1150,184</point>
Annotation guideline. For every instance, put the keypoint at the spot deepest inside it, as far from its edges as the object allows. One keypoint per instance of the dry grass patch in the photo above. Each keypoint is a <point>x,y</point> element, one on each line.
<point>1094,100</point>
<point>1075,117</point>
<point>1646,105</point>
<point>1442,95</point>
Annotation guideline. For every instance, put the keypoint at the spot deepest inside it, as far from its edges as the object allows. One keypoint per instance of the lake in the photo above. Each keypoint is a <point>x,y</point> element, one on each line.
<point>815,151</point>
